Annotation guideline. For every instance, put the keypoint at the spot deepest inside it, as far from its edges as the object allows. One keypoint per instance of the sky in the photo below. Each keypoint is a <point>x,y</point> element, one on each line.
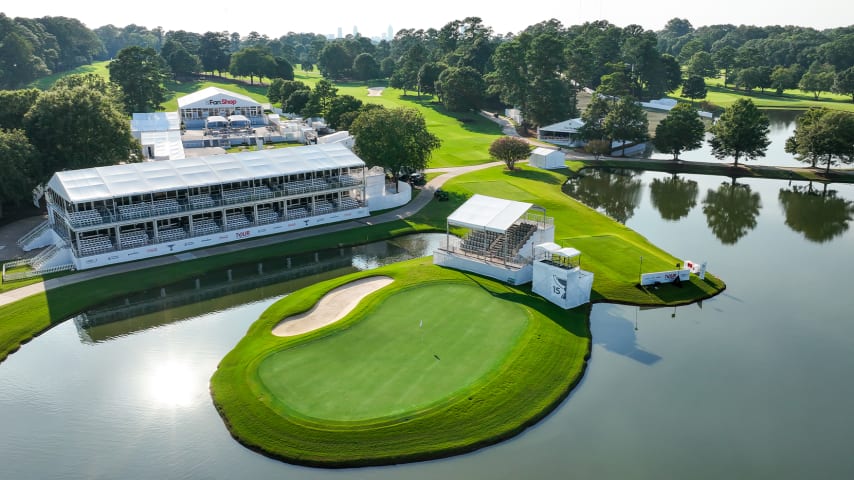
<point>373,18</point>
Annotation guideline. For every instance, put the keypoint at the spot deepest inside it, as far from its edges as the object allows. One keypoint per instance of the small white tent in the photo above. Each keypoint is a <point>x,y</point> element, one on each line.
<point>547,158</point>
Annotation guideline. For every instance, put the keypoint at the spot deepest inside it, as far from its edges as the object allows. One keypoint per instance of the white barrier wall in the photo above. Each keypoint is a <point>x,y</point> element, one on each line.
<point>565,287</point>
<point>167,248</point>
<point>496,271</point>
<point>666,277</point>
<point>380,198</point>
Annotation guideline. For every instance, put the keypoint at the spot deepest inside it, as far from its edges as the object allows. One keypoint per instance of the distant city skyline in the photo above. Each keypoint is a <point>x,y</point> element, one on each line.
<point>372,19</point>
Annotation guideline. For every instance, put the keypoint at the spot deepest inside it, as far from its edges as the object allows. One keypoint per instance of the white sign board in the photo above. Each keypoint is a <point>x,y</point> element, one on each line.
<point>698,269</point>
<point>666,277</point>
<point>565,287</point>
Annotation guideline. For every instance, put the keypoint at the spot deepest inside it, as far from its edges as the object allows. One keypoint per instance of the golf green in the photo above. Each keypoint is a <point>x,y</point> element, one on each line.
<point>418,348</point>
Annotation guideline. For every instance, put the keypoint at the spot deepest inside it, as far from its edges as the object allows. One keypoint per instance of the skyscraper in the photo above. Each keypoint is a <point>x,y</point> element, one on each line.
<point>390,33</point>
<point>339,33</point>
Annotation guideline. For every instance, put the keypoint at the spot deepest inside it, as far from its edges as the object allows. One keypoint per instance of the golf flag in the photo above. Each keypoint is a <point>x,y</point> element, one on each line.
<point>421,324</point>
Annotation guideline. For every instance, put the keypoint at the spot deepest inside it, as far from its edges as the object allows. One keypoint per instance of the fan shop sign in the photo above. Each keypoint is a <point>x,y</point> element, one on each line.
<point>222,101</point>
<point>665,277</point>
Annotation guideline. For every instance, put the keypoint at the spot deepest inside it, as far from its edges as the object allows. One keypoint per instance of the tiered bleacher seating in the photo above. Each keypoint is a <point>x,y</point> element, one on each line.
<point>347,203</point>
<point>171,234</point>
<point>322,207</point>
<point>205,226</point>
<point>133,239</point>
<point>297,212</point>
<point>306,186</point>
<point>85,217</point>
<point>135,210</point>
<point>478,241</point>
<point>236,220</point>
<point>200,201</point>
<point>267,215</point>
<point>166,206</point>
<point>261,192</point>
<point>237,195</point>
<point>346,180</point>
<point>94,245</point>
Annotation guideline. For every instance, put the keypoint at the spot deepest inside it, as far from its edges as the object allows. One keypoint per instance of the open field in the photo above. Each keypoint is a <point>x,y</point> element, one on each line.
<point>723,96</point>
<point>434,405</point>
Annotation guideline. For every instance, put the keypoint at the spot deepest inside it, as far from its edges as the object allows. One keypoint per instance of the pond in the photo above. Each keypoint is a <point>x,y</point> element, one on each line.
<point>754,383</point>
<point>781,127</point>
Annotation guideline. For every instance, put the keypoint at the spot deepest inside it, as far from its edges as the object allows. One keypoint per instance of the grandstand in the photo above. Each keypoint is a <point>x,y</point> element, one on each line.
<point>499,239</point>
<point>125,212</point>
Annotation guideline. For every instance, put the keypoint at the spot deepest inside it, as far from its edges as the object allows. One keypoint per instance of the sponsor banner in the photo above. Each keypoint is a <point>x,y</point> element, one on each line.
<point>666,277</point>
<point>698,269</point>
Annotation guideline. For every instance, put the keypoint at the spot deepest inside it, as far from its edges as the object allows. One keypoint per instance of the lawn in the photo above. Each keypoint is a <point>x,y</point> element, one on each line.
<point>609,249</point>
<point>428,402</point>
<point>400,358</point>
<point>724,96</point>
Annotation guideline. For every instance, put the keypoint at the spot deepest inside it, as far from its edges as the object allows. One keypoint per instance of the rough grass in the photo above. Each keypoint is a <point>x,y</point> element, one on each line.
<point>536,374</point>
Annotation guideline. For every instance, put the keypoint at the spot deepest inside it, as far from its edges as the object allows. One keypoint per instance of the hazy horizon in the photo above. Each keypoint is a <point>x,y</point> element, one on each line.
<point>374,18</point>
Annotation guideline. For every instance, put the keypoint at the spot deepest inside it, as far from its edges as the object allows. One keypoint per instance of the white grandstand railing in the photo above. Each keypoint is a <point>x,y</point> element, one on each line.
<point>17,276</point>
<point>145,210</point>
<point>32,234</point>
<point>38,260</point>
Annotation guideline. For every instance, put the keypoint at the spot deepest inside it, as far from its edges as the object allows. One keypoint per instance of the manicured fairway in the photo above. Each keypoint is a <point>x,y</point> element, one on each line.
<point>419,347</point>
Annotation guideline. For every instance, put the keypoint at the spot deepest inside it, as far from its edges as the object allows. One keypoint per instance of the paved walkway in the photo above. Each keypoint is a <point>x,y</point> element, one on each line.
<point>398,214</point>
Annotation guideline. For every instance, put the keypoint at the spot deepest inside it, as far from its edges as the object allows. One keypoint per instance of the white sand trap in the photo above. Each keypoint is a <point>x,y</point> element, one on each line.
<point>332,307</point>
<point>375,91</point>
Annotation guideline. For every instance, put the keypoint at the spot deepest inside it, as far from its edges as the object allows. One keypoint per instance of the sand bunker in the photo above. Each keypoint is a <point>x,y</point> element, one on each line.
<point>331,308</point>
<point>375,91</point>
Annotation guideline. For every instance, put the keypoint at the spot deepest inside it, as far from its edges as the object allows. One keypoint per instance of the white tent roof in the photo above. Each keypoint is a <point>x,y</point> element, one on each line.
<point>568,252</point>
<point>238,118</point>
<point>545,152</point>
<point>487,213</point>
<point>101,183</point>
<point>167,145</point>
<point>212,97</point>
<point>155,122</point>
<point>215,118</point>
<point>550,247</point>
<point>570,126</point>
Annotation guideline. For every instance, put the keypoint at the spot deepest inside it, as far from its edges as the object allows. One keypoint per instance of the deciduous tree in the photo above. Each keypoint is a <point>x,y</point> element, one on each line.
<point>394,139</point>
<point>627,122</point>
<point>509,150</point>
<point>740,132</point>
<point>140,72</point>
<point>680,131</point>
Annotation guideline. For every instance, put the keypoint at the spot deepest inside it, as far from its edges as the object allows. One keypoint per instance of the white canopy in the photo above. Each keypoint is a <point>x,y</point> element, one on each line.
<point>568,252</point>
<point>102,183</point>
<point>215,119</point>
<point>569,126</point>
<point>550,247</point>
<point>155,122</point>
<point>238,119</point>
<point>213,97</point>
<point>487,213</point>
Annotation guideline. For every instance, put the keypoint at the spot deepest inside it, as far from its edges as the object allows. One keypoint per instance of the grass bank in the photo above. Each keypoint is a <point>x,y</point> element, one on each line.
<point>525,378</point>
<point>609,249</point>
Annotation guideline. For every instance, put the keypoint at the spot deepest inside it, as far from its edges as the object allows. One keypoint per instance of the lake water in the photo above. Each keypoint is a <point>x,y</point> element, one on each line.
<point>754,383</point>
<point>781,127</point>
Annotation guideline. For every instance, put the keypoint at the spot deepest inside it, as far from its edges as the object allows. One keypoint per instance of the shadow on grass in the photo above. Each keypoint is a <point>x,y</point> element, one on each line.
<point>573,321</point>
<point>535,175</point>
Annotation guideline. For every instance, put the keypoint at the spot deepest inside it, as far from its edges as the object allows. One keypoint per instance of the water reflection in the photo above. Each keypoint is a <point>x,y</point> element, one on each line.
<point>673,197</point>
<point>731,211</point>
<point>818,215</point>
<point>615,192</point>
<point>241,284</point>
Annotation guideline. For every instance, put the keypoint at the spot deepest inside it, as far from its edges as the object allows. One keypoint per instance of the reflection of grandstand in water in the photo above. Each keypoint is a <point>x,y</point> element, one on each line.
<point>172,303</point>
<point>242,284</point>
